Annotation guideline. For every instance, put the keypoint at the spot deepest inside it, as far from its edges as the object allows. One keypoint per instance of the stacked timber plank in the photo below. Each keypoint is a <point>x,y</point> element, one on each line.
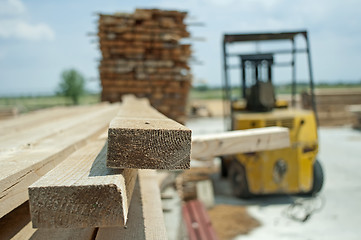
<point>356,111</point>
<point>90,190</point>
<point>333,105</point>
<point>142,55</point>
<point>6,112</point>
<point>91,196</point>
<point>33,144</point>
<point>87,182</point>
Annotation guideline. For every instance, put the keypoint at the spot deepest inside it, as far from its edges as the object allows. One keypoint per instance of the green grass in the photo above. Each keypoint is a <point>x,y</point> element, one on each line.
<point>26,104</point>
<point>216,93</point>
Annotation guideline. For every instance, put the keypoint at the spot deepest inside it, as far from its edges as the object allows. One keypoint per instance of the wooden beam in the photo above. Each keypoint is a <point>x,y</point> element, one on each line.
<point>145,214</point>
<point>82,192</point>
<point>28,119</point>
<point>20,168</point>
<point>29,135</point>
<point>242,141</point>
<point>17,226</point>
<point>141,137</point>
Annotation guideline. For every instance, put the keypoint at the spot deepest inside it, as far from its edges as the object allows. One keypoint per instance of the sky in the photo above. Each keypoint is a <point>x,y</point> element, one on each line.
<point>39,39</point>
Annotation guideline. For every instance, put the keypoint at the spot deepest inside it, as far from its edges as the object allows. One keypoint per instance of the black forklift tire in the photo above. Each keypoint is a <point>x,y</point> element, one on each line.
<point>224,168</point>
<point>238,180</point>
<point>318,178</point>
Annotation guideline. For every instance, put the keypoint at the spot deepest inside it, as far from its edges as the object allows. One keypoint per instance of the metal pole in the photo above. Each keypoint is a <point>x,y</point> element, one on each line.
<point>269,72</point>
<point>293,73</point>
<point>244,80</point>
<point>313,100</point>
<point>226,95</point>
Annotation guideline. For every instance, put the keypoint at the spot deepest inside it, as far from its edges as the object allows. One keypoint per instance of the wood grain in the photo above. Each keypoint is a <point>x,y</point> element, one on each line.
<point>27,135</point>
<point>23,166</point>
<point>141,137</point>
<point>241,141</point>
<point>145,214</point>
<point>82,192</point>
<point>17,226</point>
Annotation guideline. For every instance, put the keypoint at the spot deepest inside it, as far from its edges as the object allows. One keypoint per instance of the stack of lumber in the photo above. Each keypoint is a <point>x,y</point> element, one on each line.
<point>6,112</point>
<point>31,145</point>
<point>87,195</point>
<point>142,55</point>
<point>87,172</point>
<point>356,111</point>
<point>332,105</point>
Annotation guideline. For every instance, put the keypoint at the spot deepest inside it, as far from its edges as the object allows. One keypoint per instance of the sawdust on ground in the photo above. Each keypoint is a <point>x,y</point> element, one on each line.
<point>229,221</point>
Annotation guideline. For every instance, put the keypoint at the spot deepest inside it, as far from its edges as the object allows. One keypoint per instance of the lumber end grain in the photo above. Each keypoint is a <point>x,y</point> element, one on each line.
<point>82,192</point>
<point>50,207</point>
<point>148,144</point>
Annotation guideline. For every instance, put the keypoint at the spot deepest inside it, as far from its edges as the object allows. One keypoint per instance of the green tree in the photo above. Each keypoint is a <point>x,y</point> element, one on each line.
<point>72,85</point>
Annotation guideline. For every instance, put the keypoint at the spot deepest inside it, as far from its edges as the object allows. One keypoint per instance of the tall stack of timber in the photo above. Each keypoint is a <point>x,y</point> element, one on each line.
<point>142,55</point>
<point>333,105</point>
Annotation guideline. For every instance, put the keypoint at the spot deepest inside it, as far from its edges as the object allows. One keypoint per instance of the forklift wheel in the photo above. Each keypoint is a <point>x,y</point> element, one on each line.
<point>317,178</point>
<point>224,169</point>
<point>238,179</point>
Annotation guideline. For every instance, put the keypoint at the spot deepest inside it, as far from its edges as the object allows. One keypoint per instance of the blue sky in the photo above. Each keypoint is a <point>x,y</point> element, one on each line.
<point>39,39</point>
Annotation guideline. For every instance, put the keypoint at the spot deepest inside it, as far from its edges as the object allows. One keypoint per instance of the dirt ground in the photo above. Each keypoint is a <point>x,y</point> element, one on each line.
<point>229,221</point>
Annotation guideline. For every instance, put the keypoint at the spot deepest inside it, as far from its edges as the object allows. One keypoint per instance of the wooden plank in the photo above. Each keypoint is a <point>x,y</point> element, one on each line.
<point>152,205</point>
<point>56,234</point>
<point>241,141</point>
<point>19,169</point>
<point>82,192</point>
<point>145,214</point>
<point>141,137</point>
<point>17,226</point>
<point>28,119</point>
<point>28,136</point>
<point>195,214</point>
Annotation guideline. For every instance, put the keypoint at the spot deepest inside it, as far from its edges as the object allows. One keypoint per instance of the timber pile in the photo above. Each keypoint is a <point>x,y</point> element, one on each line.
<point>89,189</point>
<point>142,55</point>
<point>60,157</point>
<point>33,144</point>
<point>356,111</point>
<point>8,112</point>
<point>332,105</point>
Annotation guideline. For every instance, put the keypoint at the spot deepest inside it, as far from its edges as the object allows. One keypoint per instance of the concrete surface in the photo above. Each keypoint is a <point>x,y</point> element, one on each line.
<point>340,199</point>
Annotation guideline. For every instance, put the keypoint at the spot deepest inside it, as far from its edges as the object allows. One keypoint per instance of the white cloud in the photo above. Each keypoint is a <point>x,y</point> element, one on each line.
<point>13,23</point>
<point>11,7</point>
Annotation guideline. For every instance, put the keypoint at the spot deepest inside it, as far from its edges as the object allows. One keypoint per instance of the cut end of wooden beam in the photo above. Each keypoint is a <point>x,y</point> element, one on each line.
<point>82,192</point>
<point>140,137</point>
<point>62,207</point>
<point>149,148</point>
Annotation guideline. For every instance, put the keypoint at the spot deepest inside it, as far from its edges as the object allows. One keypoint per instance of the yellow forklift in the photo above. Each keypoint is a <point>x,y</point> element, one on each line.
<point>292,170</point>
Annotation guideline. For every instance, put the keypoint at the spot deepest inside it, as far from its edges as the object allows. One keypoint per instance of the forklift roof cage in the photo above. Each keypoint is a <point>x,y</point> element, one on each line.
<point>255,37</point>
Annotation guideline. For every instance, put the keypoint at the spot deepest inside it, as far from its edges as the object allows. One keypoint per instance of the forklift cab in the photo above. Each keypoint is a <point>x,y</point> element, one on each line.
<point>261,95</point>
